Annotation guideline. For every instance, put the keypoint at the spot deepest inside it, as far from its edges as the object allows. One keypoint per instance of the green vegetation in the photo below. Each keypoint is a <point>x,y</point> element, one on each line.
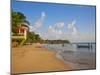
<point>56,41</point>
<point>17,19</point>
<point>33,38</point>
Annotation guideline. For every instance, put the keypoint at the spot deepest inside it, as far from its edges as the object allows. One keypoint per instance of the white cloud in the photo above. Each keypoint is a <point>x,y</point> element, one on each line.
<point>73,28</point>
<point>39,23</point>
<point>59,25</point>
<point>60,32</point>
<point>56,32</point>
<point>43,15</point>
<point>56,29</point>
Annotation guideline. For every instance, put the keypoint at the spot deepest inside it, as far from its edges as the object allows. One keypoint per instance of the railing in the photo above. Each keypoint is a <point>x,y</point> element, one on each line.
<point>18,37</point>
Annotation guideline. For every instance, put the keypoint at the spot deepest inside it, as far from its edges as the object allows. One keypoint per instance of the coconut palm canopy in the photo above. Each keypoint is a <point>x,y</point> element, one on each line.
<point>17,19</point>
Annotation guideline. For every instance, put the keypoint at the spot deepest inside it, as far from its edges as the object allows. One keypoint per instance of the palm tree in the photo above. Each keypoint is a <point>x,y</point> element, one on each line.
<point>37,37</point>
<point>17,19</point>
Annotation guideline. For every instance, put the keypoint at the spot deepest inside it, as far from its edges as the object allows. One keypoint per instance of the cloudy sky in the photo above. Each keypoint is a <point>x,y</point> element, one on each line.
<point>59,21</point>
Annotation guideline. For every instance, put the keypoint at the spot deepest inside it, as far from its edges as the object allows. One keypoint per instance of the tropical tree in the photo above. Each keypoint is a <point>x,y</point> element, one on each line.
<point>17,19</point>
<point>37,38</point>
<point>32,37</point>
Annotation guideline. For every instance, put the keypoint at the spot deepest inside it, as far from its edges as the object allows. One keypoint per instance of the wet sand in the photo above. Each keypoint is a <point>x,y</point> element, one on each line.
<point>35,58</point>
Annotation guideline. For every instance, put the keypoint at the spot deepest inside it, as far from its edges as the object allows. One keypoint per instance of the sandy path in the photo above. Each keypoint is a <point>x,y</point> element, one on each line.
<point>34,58</point>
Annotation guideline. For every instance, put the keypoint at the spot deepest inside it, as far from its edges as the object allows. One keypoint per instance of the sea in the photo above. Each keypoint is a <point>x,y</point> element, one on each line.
<point>81,56</point>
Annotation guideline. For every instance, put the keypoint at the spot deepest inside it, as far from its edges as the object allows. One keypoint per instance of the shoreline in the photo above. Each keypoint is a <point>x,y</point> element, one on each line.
<point>35,58</point>
<point>80,58</point>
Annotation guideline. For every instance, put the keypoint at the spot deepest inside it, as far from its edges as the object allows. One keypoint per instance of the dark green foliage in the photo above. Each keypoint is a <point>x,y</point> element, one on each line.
<point>56,41</point>
<point>32,37</point>
<point>17,19</point>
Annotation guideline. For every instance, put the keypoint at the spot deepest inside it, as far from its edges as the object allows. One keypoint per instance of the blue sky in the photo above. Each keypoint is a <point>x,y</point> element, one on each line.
<point>84,16</point>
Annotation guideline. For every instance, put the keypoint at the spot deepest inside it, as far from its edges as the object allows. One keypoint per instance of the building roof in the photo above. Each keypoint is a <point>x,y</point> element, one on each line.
<point>24,24</point>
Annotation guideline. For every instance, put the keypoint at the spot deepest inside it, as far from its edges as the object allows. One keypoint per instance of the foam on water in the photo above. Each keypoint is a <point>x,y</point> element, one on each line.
<point>79,58</point>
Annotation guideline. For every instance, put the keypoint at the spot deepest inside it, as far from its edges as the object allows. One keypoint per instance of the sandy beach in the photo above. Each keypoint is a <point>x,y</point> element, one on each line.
<point>35,58</point>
